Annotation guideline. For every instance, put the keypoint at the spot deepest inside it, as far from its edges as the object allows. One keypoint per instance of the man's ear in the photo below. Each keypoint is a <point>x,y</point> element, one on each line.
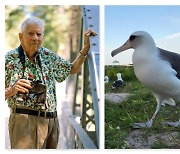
<point>20,36</point>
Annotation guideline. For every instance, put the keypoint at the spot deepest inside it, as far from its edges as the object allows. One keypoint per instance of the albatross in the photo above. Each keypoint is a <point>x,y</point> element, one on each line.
<point>106,79</point>
<point>157,69</point>
<point>119,82</point>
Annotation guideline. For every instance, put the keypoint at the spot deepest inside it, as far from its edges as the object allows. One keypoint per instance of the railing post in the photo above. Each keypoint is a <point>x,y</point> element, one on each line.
<point>91,21</point>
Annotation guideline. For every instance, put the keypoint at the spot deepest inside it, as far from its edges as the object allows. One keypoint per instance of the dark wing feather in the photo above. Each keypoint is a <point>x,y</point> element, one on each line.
<point>173,58</point>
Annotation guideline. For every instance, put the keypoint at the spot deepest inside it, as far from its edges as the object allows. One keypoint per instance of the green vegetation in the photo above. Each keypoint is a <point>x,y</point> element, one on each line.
<point>159,145</point>
<point>139,107</point>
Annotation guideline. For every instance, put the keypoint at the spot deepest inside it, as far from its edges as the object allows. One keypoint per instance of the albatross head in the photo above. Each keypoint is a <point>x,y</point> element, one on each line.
<point>135,40</point>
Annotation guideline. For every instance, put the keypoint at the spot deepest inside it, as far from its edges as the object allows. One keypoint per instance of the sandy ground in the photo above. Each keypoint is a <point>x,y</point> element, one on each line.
<point>138,139</point>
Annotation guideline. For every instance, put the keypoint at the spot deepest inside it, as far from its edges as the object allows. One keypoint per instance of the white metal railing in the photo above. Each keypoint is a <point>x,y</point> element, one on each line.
<point>77,137</point>
<point>91,21</point>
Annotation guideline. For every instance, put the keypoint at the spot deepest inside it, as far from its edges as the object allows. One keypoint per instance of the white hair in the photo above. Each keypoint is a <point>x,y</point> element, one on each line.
<point>32,20</point>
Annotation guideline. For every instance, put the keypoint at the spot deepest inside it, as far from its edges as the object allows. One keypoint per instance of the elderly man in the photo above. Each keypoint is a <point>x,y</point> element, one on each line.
<point>31,73</point>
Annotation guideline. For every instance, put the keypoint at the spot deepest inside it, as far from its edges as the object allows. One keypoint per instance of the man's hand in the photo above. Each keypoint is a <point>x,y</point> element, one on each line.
<point>82,56</point>
<point>87,34</point>
<point>21,85</point>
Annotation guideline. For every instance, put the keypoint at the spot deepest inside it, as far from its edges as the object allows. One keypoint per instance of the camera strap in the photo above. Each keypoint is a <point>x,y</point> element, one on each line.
<point>22,59</point>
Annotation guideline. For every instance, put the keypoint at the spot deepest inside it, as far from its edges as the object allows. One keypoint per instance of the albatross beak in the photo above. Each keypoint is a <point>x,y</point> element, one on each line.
<point>125,46</point>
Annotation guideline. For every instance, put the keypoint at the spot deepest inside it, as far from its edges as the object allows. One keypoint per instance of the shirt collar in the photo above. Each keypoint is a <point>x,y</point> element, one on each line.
<point>36,54</point>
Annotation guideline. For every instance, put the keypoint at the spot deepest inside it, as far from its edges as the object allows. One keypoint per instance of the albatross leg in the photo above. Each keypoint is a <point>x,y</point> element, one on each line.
<point>174,124</point>
<point>149,123</point>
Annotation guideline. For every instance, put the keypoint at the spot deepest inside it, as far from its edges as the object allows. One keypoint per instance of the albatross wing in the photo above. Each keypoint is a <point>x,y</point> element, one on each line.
<point>172,58</point>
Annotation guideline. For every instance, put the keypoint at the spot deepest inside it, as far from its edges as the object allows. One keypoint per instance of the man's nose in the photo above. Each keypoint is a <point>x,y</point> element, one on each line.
<point>35,36</point>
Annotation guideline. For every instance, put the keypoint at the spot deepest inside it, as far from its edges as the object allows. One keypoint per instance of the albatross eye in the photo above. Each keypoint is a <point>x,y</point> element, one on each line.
<point>132,37</point>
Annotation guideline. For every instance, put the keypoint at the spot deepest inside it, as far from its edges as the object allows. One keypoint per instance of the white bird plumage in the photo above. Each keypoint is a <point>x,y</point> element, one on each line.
<point>106,79</point>
<point>119,82</point>
<point>157,69</point>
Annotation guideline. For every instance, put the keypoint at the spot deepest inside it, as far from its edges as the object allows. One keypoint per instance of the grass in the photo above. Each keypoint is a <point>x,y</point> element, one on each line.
<point>139,107</point>
<point>159,145</point>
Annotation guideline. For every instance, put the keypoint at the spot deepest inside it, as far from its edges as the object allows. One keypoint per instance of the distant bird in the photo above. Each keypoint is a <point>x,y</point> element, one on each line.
<point>106,79</point>
<point>119,82</point>
<point>157,69</point>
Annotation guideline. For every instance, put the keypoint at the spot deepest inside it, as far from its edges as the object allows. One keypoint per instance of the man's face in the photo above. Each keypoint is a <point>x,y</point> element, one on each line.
<point>31,39</point>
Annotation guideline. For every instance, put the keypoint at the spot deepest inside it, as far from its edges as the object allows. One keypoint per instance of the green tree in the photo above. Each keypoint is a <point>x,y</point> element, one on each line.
<point>13,18</point>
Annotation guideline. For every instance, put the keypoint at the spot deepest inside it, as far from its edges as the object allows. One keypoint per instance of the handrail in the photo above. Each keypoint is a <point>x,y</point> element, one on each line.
<point>83,136</point>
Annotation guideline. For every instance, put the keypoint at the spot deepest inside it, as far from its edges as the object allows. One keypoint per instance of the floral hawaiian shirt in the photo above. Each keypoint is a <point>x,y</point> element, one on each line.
<point>53,68</point>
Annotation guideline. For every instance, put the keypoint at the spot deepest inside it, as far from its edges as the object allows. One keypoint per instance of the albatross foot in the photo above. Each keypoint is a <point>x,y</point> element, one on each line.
<point>174,124</point>
<point>143,125</point>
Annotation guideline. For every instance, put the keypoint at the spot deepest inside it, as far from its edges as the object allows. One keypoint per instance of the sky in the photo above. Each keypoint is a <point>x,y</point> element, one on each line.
<point>161,22</point>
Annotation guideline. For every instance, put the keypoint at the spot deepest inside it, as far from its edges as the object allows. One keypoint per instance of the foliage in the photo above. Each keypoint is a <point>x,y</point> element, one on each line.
<point>127,72</point>
<point>13,19</point>
<point>159,145</point>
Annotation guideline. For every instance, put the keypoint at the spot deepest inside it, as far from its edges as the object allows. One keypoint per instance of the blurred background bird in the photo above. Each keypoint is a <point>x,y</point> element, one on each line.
<point>119,82</point>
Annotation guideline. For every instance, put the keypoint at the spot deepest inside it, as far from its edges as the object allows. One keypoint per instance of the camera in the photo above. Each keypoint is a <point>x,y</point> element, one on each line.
<point>39,91</point>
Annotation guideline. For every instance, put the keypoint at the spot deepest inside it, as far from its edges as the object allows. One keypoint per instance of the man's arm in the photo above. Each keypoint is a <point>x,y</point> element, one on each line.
<point>76,65</point>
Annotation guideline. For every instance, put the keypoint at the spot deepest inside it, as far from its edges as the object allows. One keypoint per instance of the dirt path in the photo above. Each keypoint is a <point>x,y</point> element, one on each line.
<point>139,139</point>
